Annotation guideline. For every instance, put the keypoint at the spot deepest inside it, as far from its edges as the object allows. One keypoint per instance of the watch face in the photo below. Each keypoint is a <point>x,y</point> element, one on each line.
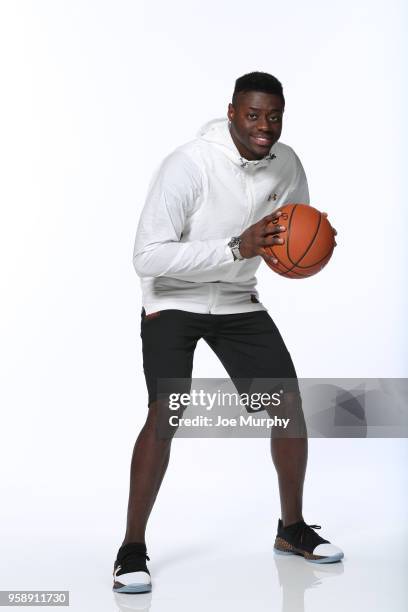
<point>234,242</point>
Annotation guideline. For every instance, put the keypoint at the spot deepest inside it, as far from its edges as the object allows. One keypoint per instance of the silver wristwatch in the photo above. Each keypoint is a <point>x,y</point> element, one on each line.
<point>234,246</point>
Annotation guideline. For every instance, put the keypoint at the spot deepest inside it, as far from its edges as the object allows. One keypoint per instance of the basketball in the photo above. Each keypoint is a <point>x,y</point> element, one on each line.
<point>309,241</point>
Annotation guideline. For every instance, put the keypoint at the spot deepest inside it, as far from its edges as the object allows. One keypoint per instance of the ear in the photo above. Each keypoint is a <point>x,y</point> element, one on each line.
<point>231,112</point>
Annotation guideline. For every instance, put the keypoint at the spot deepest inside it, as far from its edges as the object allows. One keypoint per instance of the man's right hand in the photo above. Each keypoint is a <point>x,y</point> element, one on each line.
<point>264,233</point>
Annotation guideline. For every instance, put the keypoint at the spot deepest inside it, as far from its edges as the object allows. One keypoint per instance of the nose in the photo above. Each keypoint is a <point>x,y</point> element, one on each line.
<point>263,124</point>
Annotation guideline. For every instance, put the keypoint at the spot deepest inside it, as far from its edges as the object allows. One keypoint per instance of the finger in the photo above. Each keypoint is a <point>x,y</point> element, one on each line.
<point>271,240</point>
<point>275,229</point>
<point>324,214</point>
<point>334,231</point>
<point>272,217</point>
<point>277,240</point>
<point>270,259</point>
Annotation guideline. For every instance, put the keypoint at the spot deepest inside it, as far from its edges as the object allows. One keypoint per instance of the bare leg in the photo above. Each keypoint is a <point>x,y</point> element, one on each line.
<point>289,455</point>
<point>149,463</point>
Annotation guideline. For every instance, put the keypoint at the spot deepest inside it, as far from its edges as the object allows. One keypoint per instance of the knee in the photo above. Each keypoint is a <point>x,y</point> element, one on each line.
<point>158,419</point>
<point>292,402</point>
<point>290,409</point>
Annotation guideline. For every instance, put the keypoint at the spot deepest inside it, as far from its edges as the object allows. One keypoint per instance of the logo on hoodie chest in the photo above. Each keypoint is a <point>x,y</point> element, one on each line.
<point>273,197</point>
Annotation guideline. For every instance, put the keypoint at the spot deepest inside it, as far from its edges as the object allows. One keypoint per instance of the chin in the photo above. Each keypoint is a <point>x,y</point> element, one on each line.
<point>260,154</point>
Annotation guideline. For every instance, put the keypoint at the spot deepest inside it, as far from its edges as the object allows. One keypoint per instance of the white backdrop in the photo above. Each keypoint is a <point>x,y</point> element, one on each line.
<point>94,95</point>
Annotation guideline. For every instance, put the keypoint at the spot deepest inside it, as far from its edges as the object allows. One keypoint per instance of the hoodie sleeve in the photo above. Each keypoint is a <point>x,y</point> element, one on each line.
<point>172,196</point>
<point>299,191</point>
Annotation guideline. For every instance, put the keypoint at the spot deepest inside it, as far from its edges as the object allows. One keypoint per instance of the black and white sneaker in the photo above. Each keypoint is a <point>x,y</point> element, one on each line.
<point>301,539</point>
<point>130,573</point>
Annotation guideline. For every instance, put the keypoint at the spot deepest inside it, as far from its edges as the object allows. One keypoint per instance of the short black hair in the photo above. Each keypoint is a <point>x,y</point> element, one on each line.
<point>258,81</point>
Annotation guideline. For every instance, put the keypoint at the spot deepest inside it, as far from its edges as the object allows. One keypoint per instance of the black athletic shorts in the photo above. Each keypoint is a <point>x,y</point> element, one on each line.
<point>248,345</point>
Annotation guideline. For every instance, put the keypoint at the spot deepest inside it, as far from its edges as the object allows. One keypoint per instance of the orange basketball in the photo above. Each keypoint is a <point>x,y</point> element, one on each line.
<point>308,242</point>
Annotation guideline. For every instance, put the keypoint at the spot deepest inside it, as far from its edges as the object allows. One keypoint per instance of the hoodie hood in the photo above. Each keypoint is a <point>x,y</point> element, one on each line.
<point>217,133</point>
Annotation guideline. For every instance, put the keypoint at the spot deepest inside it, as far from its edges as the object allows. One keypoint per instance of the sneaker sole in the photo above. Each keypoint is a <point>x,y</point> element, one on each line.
<point>133,588</point>
<point>284,548</point>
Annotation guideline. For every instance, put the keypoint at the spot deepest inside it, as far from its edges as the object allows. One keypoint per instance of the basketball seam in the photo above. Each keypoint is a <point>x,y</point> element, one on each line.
<point>288,269</point>
<point>287,248</point>
<point>270,249</point>
<point>289,225</point>
<point>317,262</point>
<point>293,271</point>
<point>296,263</point>
<point>310,245</point>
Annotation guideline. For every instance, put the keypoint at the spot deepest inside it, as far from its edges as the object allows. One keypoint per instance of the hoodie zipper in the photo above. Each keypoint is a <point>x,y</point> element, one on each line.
<point>213,295</point>
<point>249,182</point>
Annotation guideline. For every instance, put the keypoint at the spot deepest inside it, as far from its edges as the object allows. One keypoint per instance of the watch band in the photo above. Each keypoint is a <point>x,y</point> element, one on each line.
<point>234,246</point>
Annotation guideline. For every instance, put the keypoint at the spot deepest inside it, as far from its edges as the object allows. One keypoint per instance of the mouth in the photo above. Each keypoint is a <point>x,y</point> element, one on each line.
<point>262,141</point>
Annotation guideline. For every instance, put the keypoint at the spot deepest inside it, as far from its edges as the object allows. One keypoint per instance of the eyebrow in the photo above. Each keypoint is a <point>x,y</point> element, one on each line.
<point>273,110</point>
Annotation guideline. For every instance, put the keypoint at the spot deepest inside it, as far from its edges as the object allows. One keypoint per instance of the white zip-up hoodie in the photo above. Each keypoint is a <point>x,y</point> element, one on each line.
<point>202,195</point>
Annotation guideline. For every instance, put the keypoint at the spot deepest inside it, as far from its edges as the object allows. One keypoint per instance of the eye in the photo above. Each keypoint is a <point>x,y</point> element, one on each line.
<point>252,115</point>
<point>275,119</point>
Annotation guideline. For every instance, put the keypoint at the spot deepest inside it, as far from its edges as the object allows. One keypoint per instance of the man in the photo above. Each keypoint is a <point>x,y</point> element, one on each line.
<point>200,239</point>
